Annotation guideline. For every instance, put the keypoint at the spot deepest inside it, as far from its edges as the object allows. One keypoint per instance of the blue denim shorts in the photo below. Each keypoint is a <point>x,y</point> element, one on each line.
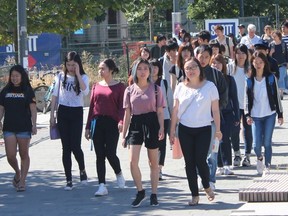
<point>25,134</point>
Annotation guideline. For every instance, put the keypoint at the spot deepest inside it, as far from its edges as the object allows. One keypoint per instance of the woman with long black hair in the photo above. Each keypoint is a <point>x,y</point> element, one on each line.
<point>71,86</point>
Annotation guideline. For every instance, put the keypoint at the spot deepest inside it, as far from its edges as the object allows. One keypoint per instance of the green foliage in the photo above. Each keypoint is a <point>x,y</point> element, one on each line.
<point>57,16</point>
<point>90,66</point>
<point>216,9</point>
<point>137,10</point>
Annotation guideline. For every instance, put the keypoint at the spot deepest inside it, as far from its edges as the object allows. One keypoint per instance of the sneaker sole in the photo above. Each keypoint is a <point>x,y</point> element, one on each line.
<point>154,204</point>
<point>68,189</point>
<point>84,182</point>
<point>136,206</point>
<point>99,195</point>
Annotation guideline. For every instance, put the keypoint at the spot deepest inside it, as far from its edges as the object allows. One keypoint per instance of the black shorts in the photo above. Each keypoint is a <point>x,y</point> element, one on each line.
<point>144,128</point>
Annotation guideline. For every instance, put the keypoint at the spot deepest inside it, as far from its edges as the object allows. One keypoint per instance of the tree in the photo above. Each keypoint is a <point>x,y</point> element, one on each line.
<point>141,11</point>
<point>137,10</point>
<point>215,9</point>
<point>57,16</point>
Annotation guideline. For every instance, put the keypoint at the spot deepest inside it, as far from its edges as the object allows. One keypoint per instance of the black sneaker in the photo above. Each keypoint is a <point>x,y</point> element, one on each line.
<point>69,186</point>
<point>246,162</point>
<point>140,196</point>
<point>153,200</point>
<point>83,177</point>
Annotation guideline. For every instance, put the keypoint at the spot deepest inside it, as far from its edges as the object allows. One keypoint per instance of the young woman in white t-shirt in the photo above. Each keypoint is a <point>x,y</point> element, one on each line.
<point>196,105</point>
<point>71,86</point>
<point>240,71</point>
<point>263,102</point>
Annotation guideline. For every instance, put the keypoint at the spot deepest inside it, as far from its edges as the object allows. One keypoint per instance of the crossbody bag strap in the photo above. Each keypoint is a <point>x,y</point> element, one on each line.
<point>197,91</point>
<point>156,92</point>
<point>57,102</point>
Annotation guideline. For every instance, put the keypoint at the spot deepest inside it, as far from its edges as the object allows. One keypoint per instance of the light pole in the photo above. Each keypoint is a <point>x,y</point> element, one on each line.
<point>241,8</point>
<point>22,33</point>
<point>276,14</point>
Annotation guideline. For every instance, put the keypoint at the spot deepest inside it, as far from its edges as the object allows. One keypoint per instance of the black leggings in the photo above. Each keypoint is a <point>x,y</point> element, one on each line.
<point>105,141</point>
<point>195,144</point>
<point>70,122</point>
<point>162,143</point>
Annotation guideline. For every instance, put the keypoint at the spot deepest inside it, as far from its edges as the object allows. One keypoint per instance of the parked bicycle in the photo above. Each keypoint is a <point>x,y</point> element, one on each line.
<point>43,93</point>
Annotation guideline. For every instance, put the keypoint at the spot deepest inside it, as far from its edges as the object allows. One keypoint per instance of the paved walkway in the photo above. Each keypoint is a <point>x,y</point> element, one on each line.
<point>45,182</point>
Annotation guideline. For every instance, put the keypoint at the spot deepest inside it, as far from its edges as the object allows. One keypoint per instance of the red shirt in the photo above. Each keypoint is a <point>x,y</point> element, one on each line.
<point>108,101</point>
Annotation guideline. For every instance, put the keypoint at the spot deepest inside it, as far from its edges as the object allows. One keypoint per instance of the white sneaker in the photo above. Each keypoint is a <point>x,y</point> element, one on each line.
<point>120,180</point>
<point>227,171</point>
<point>199,181</point>
<point>260,167</point>
<point>102,190</point>
<point>220,171</point>
<point>212,186</point>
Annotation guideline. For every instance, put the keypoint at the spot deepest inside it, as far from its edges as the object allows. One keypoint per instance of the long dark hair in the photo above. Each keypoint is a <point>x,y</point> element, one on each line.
<point>243,48</point>
<point>266,69</point>
<point>180,60</point>
<point>73,56</point>
<point>156,63</point>
<point>25,84</point>
<point>220,58</point>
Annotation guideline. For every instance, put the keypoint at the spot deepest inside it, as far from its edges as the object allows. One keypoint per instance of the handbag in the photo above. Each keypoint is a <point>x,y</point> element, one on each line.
<point>54,130</point>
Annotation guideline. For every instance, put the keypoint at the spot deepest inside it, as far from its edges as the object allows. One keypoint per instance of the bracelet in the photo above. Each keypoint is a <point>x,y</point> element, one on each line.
<point>218,132</point>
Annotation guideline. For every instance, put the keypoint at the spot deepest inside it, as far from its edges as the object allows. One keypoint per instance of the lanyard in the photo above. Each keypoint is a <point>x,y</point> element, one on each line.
<point>92,130</point>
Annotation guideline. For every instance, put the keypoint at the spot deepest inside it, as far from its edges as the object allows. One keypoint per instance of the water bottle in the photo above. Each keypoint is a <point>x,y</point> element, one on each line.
<point>215,146</point>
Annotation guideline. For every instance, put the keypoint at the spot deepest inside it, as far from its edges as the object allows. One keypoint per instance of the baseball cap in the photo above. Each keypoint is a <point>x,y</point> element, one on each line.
<point>261,44</point>
<point>241,26</point>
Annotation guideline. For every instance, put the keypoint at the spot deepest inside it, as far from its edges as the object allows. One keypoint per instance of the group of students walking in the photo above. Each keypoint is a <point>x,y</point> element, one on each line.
<point>196,95</point>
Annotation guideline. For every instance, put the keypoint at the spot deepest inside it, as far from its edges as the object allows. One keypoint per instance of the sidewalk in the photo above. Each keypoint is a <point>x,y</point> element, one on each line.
<point>45,194</point>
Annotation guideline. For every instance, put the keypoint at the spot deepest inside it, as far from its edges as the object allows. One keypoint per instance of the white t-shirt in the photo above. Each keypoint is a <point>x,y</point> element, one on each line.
<point>68,96</point>
<point>198,113</point>
<point>240,79</point>
<point>250,41</point>
<point>261,106</point>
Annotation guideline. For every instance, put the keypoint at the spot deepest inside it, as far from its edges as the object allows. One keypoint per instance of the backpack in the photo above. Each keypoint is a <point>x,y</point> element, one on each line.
<point>166,85</point>
<point>222,101</point>
<point>283,44</point>
<point>271,81</point>
<point>227,42</point>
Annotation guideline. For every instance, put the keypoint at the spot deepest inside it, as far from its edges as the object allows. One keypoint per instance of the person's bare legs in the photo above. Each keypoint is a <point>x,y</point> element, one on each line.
<point>23,144</point>
<point>11,152</point>
<point>134,151</point>
<point>154,169</point>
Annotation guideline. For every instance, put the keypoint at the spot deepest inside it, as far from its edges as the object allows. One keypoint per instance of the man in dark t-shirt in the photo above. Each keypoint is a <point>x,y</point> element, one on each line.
<point>158,50</point>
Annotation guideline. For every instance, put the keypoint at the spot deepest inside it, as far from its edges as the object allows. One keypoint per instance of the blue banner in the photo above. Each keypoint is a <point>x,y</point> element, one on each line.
<point>43,50</point>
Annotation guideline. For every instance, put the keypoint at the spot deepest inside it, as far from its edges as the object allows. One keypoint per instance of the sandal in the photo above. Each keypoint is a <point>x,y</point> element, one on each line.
<point>15,182</point>
<point>21,188</point>
<point>194,202</point>
<point>210,194</point>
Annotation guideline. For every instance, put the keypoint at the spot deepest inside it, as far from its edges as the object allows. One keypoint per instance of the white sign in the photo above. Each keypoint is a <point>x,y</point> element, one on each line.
<point>229,25</point>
